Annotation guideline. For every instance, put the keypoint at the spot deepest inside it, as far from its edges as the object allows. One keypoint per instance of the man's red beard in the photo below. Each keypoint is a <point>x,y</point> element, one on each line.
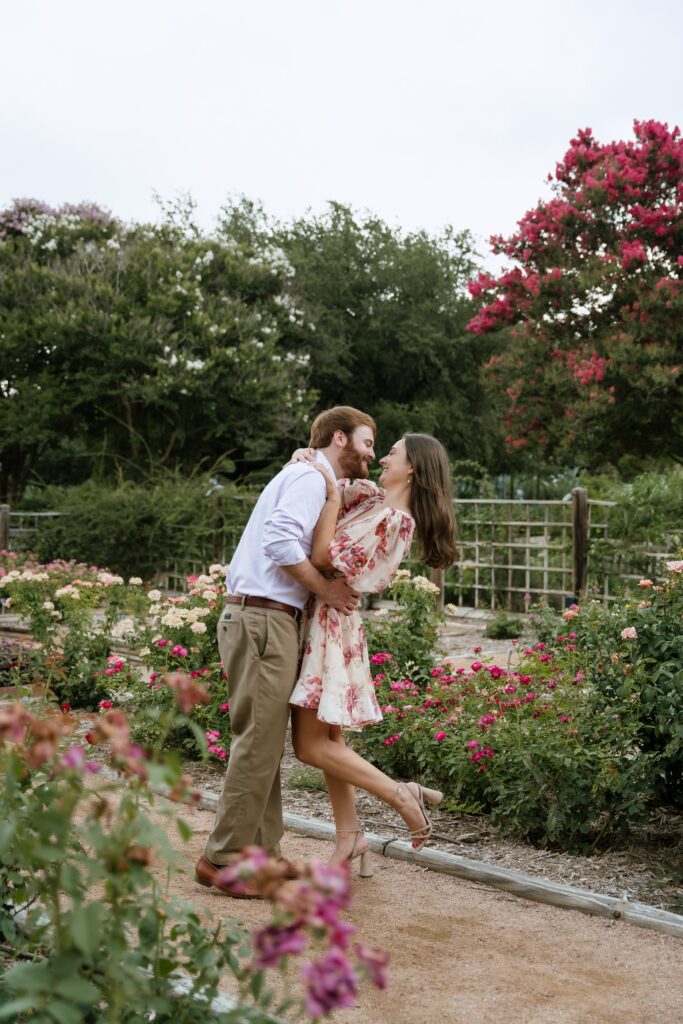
<point>352,463</point>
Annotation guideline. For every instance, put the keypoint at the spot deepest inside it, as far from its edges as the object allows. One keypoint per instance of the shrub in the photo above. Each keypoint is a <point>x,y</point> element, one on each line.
<point>409,633</point>
<point>72,611</point>
<point>523,745</point>
<point>632,655</point>
<point>89,931</point>
<point>503,627</point>
<point>77,614</point>
<point>20,663</point>
<point>179,633</point>
<point>142,529</point>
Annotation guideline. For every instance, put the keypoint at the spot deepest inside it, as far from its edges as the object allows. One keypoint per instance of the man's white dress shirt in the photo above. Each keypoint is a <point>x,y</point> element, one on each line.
<point>279,532</point>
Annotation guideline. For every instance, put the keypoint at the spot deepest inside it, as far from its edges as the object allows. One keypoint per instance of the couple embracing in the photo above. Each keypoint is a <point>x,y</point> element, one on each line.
<point>291,637</point>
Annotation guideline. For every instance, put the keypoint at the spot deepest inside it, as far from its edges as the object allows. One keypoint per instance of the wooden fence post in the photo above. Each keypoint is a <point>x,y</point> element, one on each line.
<point>4,527</point>
<point>580,541</point>
<point>438,579</point>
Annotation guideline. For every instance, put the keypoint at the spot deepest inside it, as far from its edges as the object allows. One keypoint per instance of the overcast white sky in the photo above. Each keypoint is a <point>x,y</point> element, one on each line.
<point>427,113</point>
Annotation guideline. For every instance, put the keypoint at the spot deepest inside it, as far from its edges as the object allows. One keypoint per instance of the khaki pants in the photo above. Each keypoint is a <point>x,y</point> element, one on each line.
<point>259,649</point>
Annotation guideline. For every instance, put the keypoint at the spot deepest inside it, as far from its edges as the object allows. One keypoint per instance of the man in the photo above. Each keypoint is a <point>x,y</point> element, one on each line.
<point>269,581</point>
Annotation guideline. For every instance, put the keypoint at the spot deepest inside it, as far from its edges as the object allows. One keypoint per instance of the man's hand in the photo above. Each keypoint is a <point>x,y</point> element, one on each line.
<point>338,594</point>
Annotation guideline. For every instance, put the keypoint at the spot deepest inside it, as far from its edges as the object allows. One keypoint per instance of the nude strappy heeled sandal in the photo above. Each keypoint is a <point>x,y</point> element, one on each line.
<point>365,866</point>
<point>419,836</point>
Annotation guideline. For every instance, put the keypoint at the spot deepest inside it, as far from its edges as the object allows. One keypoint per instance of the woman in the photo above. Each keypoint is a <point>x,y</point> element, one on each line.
<point>364,532</point>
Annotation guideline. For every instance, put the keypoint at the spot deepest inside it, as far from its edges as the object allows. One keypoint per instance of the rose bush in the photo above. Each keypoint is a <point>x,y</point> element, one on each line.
<point>410,631</point>
<point>78,614</point>
<point>89,932</point>
<point>72,611</point>
<point>179,633</point>
<point>632,655</point>
<point>523,745</point>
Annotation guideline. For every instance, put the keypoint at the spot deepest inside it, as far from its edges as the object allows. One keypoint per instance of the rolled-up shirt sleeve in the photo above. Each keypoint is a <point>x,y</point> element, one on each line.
<point>294,518</point>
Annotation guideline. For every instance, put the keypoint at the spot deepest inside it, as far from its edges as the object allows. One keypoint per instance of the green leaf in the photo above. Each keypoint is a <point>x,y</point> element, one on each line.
<point>64,1013</point>
<point>8,1011</point>
<point>184,829</point>
<point>86,928</point>
<point>79,989</point>
<point>166,967</point>
<point>28,977</point>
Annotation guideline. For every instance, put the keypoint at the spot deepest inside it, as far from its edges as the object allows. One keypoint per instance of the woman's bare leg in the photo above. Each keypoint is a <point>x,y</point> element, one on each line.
<point>313,745</point>
<point>343,800</point>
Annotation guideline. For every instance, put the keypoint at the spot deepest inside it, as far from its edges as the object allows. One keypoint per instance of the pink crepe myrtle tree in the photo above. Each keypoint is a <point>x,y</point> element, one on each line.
<point>591,308</point>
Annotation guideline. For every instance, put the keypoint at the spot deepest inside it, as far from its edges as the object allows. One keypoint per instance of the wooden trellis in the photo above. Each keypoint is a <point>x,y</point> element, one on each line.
<point>555,551</point>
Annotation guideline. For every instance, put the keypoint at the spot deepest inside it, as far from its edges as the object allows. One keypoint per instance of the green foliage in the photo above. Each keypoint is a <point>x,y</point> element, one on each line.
<point>647,507</point>
<point>141,346</point>
<point>571,745</point>
<point>389,310</point>
<point>90,931</point>
<point>117,952</point>
<point>72,611</point>
<point>523,746</point>
<point>20,664</point>
<point>409,633</point>
<point>142,529</point>
<point>643,671</point>
<point>590,306</point>
<point>304,777</point>
<point>503,627</point>
<point>79,613</point>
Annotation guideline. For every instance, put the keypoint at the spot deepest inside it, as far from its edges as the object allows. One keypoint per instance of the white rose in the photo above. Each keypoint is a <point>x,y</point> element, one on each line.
<point>198,627</point>
<point>154,595</point>
<point>216,569</point>
<point>135,581</point>
<point>108,579</point>
<point>422,583</point>
<point>48,606</point>
<point>122,628</point>
<point>144,651</point>
<point>209,595</point>
<point>172,618</point>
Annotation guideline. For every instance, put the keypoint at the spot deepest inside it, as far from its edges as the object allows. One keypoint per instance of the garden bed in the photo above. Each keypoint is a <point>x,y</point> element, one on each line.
<point>647,867</point>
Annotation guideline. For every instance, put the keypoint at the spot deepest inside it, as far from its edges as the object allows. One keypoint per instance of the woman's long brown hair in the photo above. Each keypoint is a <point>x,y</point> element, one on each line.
<point>431,500</point>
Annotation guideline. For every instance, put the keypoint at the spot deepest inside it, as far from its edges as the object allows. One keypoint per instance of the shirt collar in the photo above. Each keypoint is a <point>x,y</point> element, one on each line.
<point>326,462</point>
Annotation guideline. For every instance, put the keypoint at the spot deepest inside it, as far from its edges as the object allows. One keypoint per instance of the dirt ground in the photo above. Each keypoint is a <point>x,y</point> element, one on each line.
<point>462,952</point>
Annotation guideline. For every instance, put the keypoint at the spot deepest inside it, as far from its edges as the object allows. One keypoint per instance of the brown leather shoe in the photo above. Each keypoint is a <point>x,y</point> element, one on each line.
<point>290,870</point>
<point>205,872</point>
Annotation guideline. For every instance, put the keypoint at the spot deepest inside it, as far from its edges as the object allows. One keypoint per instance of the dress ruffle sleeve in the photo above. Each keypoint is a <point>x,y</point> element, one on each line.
<point>369,550</point>
<point>355,493</point>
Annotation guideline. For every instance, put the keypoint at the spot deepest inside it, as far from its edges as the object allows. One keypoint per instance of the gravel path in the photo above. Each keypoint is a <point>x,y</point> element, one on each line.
<point>462,952</point>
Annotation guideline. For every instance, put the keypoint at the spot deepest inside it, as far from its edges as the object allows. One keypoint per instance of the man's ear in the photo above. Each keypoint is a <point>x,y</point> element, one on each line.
<point>340,438</point>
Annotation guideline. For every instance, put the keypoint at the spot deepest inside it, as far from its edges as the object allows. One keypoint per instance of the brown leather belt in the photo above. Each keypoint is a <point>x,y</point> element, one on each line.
<point>263,602</point>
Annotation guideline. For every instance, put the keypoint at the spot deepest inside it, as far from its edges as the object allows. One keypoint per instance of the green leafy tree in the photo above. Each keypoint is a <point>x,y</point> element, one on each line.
<point>384,321</point>
<point>139,346</point>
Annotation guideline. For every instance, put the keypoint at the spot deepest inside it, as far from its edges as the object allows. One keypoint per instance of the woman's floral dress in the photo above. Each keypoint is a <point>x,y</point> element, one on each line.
<point>369,544</point>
